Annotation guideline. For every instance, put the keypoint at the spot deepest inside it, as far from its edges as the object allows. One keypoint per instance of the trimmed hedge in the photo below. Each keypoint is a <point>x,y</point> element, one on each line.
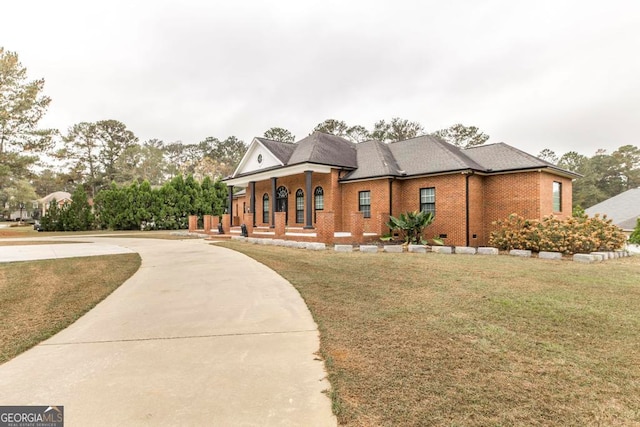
<point>569,236</point>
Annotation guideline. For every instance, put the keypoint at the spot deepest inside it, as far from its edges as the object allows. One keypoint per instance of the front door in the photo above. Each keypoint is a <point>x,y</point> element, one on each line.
<point>282,196</point>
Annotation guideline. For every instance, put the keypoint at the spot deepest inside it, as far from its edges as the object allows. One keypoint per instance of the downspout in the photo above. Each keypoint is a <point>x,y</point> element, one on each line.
<point>391,199</point>
<point>391,196</point>
<point>467,175</point>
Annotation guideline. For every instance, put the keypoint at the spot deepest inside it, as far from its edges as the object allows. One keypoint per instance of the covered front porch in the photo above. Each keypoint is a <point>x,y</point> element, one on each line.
<point>324,232</point>
<point>300,192</point>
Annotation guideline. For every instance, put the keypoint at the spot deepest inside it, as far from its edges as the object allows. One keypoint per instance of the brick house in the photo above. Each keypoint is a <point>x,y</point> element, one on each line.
<point>326,184</point>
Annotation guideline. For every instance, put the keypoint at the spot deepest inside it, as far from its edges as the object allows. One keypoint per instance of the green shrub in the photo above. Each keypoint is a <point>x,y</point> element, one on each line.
<point>74,216</point>
<point>635,236</point>
<point>569,236</point>
<point>411,225</point>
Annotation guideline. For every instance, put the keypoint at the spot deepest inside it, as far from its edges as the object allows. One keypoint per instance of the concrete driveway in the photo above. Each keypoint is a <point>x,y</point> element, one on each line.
<point>200,335</point>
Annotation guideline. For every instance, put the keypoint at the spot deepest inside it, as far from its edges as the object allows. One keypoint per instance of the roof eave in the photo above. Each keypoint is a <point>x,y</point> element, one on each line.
<point>554,170</point>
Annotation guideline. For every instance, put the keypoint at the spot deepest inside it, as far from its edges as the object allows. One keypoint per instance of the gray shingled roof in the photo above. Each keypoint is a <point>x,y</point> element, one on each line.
<point>428,154</point>
<point>422,155</point>
<point>623,209</point>
<point>325,149</point>
<point>282,150</point>
<point>503,157</point>
<point>374,160</point>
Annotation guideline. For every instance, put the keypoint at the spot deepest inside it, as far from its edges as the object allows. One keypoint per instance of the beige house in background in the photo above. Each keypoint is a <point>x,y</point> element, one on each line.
<point>61,197</point>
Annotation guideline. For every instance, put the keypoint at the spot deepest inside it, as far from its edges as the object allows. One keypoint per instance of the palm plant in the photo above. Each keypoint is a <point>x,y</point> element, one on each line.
<point>411,225</point>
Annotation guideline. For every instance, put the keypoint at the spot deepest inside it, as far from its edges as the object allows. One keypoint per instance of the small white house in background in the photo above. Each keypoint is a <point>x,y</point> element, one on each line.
<point>61,197</point>
<point>623,209</point>
<point>24,214</point>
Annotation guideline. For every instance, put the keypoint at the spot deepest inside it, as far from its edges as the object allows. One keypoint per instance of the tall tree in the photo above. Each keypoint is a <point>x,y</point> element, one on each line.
<point>142,162</point>
<point>599,180</point>
<point>46,182</point>
<point>462,136</point>
<point>114,139</point>
<point>228,153</point>
<point>396,130</point>
<point>22,106</point>
<point>358,134</point>
<point>548,156</point>
<point>627,159</point>
<point>279,134</point>
<point>573,161</point>
<point>174,156</point>
<point>332,126</point>
<point>81,153</point>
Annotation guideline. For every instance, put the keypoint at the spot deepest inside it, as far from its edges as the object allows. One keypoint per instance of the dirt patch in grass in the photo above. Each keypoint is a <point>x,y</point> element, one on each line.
<point>417,340</point>
<point>21,232</point>
<point>40,298</point>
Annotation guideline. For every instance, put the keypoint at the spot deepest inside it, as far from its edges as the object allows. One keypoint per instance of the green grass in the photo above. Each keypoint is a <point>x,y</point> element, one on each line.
<point>40,298</point>
<point>431,339</point>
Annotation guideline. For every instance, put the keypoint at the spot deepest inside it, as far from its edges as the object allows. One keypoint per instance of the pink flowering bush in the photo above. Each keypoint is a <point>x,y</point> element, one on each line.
<point>569,236</point>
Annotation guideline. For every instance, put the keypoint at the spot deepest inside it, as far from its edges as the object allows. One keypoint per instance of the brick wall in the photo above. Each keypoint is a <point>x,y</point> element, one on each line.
<point>511,193</point>
<point>529,194</point>
<point>379,202</point>
<point>477,235</point>
<point>326,226</point>
<point>546,196</point>
<point>450,218</point>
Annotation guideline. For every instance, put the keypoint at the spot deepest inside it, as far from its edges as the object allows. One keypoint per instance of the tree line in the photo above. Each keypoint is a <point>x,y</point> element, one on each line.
<point>604,175</point>
<point>98,155</point>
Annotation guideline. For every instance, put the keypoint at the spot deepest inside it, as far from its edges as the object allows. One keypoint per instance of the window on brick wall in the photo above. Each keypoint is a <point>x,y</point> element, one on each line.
<point>265,208</point>
<point>364,203</point>
<point>428,199</point>
<point>557,196</point>
<point>299,206</point>
<point>318,196</point>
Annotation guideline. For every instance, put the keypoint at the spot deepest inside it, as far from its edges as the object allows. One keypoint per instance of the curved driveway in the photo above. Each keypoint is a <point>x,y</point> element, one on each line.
<point>200,335</point>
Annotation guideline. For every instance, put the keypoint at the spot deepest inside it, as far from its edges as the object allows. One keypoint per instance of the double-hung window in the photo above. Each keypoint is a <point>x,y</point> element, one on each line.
<point>557,196</point>
<point>364,203</point>
<point>428,199</point>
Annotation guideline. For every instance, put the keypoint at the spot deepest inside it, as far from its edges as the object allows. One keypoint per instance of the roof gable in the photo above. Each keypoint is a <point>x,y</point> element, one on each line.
<point>58,196</point>
<point>262,154</point>
<point>281,150</point>
<point>319,148</point>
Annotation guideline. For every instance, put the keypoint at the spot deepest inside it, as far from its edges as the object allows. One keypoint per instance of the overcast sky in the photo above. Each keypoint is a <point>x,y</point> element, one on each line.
<point>555,74</point>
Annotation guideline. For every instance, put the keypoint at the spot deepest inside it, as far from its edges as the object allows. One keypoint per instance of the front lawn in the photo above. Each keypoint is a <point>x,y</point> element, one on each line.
<point>40,298</point>
<point>417,339</point>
